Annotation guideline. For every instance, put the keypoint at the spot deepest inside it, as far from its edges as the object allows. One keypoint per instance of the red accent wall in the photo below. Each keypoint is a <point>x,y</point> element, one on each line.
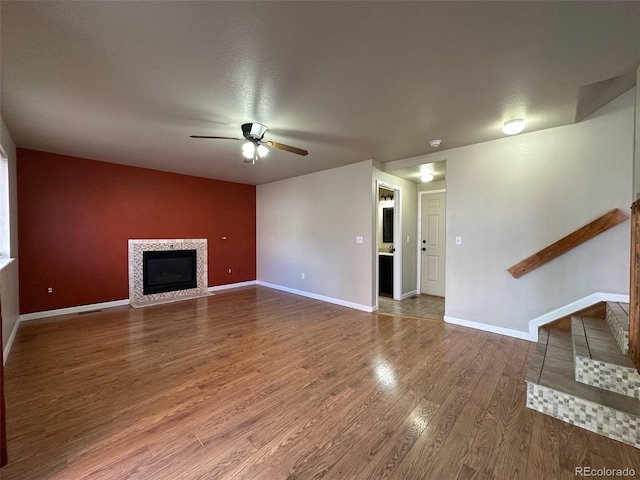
<point>76,215</point>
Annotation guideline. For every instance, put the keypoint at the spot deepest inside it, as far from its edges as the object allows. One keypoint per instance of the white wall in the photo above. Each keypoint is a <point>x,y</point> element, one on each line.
<point>427,187</point>
<point>309,225</point>
<point>9,274</point>
<point>511,197</point>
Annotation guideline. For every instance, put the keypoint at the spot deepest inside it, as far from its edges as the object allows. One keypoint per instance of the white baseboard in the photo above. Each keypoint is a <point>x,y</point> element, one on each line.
<point>116,303</point>
<point>12,336</point>
<point>315,296</point>
<point>69,310</point>
<point>489,328</point>
<point>534,324</point>
<point>54,313</point>
<point>87,308</point>
<point>572,307</point>
<point>217,288</point>
<point>531,335</point>
<point>408,294</point>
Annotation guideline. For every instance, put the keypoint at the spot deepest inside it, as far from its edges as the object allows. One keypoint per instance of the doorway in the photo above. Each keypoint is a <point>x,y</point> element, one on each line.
<point>388,244</point>
<point>428,301</point>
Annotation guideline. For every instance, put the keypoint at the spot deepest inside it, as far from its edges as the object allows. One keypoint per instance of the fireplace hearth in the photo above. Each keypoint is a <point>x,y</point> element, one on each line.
<point>168,270</point>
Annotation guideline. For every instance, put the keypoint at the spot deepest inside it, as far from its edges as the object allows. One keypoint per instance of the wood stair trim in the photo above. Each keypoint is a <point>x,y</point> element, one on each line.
<point>574,239</point>
<point>634,287</point>
<point>597,310</point>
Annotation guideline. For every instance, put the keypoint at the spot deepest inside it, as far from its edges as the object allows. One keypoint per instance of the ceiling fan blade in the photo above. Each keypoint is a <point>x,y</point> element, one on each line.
<point>223,138</point>
<point>287,148</point>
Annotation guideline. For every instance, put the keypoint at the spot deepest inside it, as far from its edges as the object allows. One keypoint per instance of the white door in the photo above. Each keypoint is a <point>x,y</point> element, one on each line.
<point>432,244</point>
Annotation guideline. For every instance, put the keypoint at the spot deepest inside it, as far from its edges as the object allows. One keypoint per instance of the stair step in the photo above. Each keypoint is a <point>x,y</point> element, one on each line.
<point>618,321</point>
<point>598,360</point>
<point>553,390</point>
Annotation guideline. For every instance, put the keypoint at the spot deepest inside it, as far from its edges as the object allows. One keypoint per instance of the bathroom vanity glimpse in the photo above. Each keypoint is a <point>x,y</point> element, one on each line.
<point>385,260</point>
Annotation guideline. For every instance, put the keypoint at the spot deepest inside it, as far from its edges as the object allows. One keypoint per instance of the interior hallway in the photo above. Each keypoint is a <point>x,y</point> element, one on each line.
<point>420,306</point>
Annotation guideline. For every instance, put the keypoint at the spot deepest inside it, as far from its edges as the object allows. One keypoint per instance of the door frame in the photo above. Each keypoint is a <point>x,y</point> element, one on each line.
<point>397,240</point>
<point>419,239</point>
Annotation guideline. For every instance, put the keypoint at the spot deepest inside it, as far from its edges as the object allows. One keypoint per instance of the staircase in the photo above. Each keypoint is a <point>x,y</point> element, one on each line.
<point>584,377</point>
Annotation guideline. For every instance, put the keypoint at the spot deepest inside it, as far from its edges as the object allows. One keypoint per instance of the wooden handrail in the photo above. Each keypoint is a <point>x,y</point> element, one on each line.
<point>596,227</point>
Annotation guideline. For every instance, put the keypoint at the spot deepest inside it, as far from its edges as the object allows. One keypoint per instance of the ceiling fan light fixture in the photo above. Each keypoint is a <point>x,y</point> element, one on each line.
<point>513,127</point>
<point>254,147</point>
<point>248,150</point>
<point>262,151</point>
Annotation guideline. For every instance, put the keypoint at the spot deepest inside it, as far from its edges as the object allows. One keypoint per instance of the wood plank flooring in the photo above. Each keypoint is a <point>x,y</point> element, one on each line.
<point>260,384</point>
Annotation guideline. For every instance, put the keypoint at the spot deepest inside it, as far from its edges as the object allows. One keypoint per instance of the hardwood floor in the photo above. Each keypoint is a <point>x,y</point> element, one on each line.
<point>260,384</point>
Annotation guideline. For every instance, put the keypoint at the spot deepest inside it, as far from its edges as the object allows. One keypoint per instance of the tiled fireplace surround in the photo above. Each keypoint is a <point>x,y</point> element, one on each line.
<point>136,248</point>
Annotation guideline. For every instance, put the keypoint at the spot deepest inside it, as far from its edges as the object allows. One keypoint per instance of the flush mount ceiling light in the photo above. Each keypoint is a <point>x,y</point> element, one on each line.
<point>426,178</point>
<point>514,126</point>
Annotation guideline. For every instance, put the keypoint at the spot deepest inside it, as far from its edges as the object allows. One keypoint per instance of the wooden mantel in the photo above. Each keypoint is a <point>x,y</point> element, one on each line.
<point>578,237</point>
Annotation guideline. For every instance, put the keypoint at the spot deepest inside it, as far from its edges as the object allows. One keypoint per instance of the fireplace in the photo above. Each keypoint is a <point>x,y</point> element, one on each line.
<point>166,270</point>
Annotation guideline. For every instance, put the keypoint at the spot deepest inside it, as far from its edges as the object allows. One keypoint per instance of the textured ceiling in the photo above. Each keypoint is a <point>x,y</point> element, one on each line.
<point>128,82</point>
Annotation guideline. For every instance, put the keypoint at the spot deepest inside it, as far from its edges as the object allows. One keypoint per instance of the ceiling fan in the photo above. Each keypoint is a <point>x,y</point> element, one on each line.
<point>255,147</point>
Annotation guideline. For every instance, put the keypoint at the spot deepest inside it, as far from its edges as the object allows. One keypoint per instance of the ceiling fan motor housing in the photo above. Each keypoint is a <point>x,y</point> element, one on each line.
<point>253,131</point>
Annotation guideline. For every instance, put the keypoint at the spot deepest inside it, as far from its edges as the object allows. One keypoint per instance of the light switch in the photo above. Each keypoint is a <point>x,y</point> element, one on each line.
<point>458,240</point>
<point>358,239</point>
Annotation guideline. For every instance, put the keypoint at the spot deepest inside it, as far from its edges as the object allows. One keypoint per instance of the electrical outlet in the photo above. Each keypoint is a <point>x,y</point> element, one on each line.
<point>229,270</point>
<point>303,275</point>
<point>50,290</point>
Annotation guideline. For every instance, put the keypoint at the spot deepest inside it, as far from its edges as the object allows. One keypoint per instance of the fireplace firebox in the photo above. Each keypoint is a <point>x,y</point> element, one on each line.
<point>168,271</point>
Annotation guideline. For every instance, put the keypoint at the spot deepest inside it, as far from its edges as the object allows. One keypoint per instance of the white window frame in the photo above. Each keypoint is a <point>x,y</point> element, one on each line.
<point>5,221</point>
